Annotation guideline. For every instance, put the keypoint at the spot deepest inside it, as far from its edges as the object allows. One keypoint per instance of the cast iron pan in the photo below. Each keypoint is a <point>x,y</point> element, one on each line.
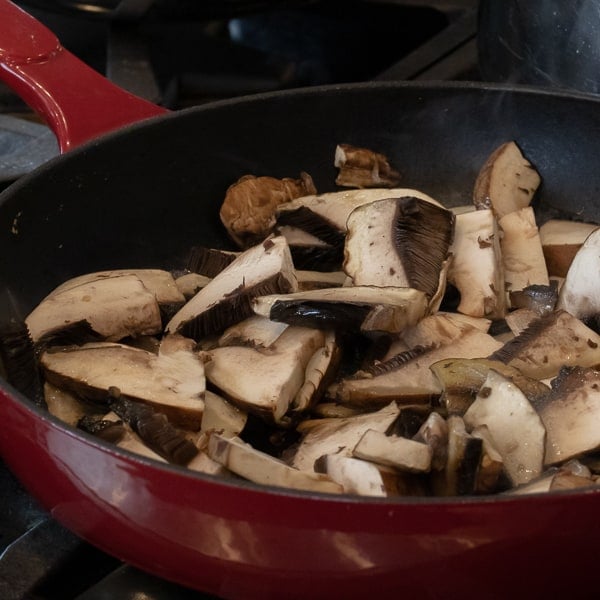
<point>141,196</point>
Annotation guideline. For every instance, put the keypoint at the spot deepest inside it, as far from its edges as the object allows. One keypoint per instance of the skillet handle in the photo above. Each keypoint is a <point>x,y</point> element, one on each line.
<point>77,102</point>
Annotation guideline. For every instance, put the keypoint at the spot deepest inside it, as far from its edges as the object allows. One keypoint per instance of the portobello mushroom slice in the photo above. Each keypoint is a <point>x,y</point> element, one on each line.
<point>398,242</point>
<point>365,308</point>
<point>360,477</point>
<point>506,182</point>
<point>191,283</point>
<point>394,451</point>
<point>18,360</point>
<point>173,384</point>
<point>434,433</point>
<point>155,430</point>
<point>552,341</point>
<point>569,476</point>
<point>561,240</point>
<point>324,217</point>
<point>116,307</point>
<point>317,280</point>
<point>248,210</point>
<point>462,379</point>
<point>222,416</point>
<point>539,299</point>
<point>580,292</point>
<point>67,407</point>
<point>255,332</point>
<point>161,283</point>
<point>477,270</point>
<point>571,415</point>
<point>209,261</point>
<point>490,477</point>
<point>263,269</point>
<point>338,435</point>
<point>515,428</point>
<point>309,253</point>
<point>245,461</point>
<point>522,254</point>
<point>363,168</point>
<point>407,377</point>
<point>274,382</point>
<point>463,457</point>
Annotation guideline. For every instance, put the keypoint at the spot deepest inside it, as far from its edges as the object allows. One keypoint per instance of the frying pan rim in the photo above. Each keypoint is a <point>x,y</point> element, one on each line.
<point>509,88</point>
<point>275,491</point>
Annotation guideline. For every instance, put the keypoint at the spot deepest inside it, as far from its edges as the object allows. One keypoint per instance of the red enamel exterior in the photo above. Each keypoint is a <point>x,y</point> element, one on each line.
<point>239,542</point>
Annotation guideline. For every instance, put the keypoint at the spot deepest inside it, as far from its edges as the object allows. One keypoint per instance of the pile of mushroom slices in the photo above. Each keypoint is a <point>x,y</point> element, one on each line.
<point>368,341</point>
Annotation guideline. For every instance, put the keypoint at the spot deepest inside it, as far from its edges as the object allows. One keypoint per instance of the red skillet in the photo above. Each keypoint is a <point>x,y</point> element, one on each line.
<point>141,196</point>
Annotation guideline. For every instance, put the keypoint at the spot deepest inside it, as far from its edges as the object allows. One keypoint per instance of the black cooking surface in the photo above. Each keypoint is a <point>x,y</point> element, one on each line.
<point>173,53</point>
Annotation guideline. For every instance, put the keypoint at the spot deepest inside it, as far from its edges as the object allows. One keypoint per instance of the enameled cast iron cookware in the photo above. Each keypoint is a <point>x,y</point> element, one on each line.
<point>141,196</point>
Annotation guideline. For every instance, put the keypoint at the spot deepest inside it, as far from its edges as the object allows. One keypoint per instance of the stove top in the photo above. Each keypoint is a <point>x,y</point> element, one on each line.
<point>183,58</point>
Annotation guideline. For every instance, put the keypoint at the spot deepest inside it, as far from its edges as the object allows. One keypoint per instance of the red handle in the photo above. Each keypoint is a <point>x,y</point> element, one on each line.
<point>77,102</point>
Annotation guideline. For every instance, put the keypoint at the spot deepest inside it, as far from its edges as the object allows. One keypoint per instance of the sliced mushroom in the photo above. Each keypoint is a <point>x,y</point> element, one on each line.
<point>159,282</point>
<point>263,269</point>
<point>515,428</point>
<point>274,381</point>
<point>205,464</point>
<point>552,341</point>
<point>209,261</point>
<point>191,283</point>
<point>506,182</point>
<point>357,476</point>
<point>561,239</point>
<point>18,360</point>
<point>174,385</point>
<point>66,406</point>
<point>363,168</point>
<point>245,461</point>
<point>394,451</point>
<point>477,270</point>
<point>133,443</point>
<point>537,485</point>
<point>398,242</point>
<point>540,299</point>
<point>309,252</point>
<point>338,435</point>
<point>115,307</point>
<point>248,210</point>
<point>255,331</point>
<point>463,457</point>
<point>318,374</point>
<point>580,292</point>
<point>155,430</point>
<point>222,416</point>
<point>316,280</point>
<point>462,379</point>
<point>324,217</point>
<point>407,377</point>
<point>490,474</point>
<point>108,427</point>
<point>365,308</point>
<point>568,481</point>
<point>434,433</point>
<point>571,415</point>
<point>522,254</point>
